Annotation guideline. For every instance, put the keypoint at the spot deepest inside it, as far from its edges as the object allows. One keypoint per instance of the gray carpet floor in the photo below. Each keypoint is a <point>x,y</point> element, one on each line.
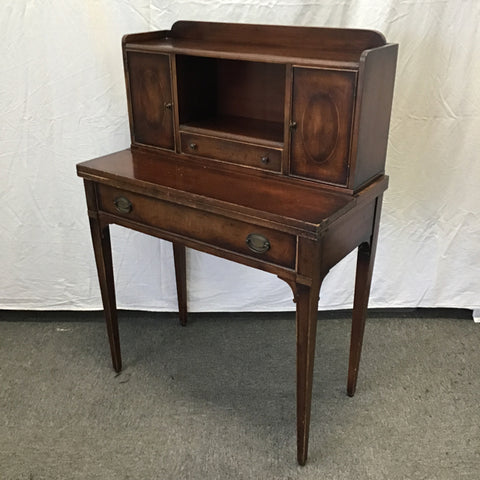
<point>216,399</point>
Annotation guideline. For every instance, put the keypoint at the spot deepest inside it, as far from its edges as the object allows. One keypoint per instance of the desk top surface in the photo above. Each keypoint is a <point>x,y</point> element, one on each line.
<point>179,179</point>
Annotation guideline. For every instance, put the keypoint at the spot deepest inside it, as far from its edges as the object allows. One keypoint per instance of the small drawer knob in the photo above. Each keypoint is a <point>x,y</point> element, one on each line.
<point>257,243</point>
<point>168,105</point>
<point>193,146</point>
<point>292,125</point>
<point>264,159</point>
<point>123,204</point>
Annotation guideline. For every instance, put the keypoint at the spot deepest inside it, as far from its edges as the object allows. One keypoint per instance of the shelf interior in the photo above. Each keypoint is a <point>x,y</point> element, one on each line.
<point>232,98</point>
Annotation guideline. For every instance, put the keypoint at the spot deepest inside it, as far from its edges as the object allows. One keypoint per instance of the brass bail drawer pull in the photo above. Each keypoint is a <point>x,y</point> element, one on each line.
<point>257,243</point>
<point>123,204</point>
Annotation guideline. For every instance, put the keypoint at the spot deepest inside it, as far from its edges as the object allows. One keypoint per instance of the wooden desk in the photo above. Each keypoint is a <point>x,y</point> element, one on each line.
<point>289,189</point>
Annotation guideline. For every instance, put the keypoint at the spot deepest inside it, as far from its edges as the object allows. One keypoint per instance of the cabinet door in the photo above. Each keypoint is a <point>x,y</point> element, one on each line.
<point>322,111</point>
<point>151,99</point>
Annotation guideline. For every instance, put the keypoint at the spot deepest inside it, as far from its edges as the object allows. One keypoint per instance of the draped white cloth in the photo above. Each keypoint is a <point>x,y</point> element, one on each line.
<point>62,101</point>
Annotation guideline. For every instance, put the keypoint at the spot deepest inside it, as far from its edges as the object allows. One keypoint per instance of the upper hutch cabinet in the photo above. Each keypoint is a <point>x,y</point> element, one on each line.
<point>307,103</point>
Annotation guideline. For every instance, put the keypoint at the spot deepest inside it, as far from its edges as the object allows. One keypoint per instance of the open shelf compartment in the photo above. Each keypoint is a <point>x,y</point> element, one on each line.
<point>233,99</point>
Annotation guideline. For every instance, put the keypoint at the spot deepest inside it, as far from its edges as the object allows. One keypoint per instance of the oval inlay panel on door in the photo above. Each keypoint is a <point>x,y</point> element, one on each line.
<point>320,128</point>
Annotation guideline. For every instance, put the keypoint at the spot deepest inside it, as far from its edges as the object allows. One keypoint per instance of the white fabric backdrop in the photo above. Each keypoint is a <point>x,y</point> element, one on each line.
<point>62,101</point>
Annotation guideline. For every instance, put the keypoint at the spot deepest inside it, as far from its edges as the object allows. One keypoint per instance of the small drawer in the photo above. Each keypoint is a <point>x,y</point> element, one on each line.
<point>200,226</point>
<point>232,151</point>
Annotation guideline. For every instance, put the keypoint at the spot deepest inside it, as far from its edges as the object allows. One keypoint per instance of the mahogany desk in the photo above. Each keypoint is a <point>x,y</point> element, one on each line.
<point>290,185</point>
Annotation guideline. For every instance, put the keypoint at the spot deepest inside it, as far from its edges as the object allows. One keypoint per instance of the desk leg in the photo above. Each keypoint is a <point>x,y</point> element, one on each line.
<point>307,311</point>
<point>179,259</point>
<point>363,281</point>
<point>103,259</point>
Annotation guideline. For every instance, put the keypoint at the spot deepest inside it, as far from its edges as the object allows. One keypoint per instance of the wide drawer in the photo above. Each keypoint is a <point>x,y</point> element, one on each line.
<point>200,226</point>
<point>232,151</point>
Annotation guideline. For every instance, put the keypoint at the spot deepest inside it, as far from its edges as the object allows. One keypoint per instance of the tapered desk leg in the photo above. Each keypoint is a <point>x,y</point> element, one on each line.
<point>307,307</point>
<point>103,259</point>
<point>179,258</point>
<point>363,281</point>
